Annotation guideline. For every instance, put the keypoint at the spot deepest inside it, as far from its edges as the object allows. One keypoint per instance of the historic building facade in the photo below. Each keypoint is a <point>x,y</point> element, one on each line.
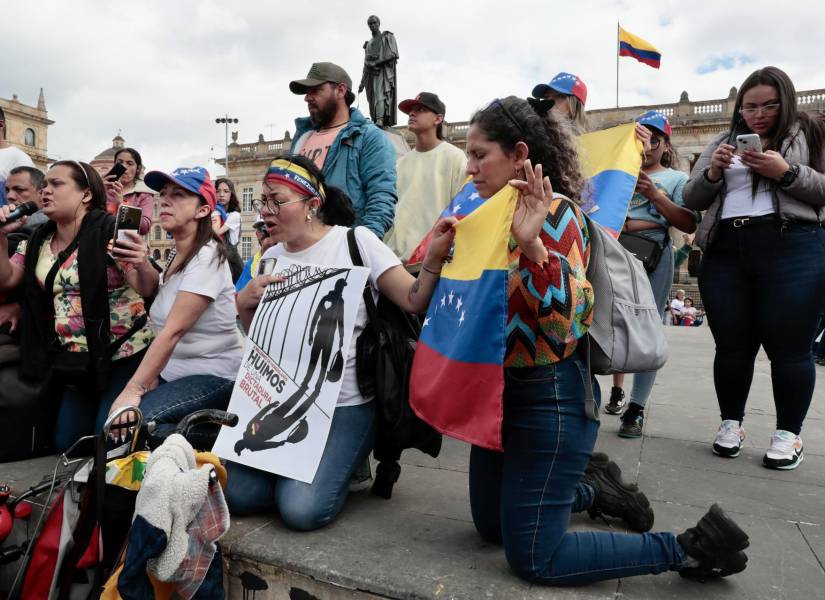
<point>27,127</point>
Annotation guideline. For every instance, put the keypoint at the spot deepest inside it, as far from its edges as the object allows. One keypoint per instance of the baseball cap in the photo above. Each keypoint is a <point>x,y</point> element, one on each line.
<point>323,72</point>
<point>192,179</point>
<point>428,100</point>
<point>563,83</point>
<point>655,119</point>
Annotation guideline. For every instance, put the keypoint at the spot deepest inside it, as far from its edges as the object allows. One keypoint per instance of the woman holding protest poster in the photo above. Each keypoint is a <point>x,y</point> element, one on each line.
<point>196,354</point>
<point>522,497</point>
<point>309,222</point>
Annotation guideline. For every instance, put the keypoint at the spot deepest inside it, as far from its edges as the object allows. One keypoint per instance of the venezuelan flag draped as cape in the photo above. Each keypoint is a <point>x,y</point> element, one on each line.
<point>635,47</point>
<point>457,378</point>
<point>611,160</point>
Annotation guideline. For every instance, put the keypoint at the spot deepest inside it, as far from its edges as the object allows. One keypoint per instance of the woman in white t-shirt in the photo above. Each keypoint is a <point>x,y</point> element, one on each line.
<point>196,355</point>
<point>309,223</point>
<point>226,222</point>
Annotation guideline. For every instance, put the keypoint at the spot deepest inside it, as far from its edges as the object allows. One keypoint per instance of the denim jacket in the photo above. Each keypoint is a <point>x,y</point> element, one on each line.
<point>361,161</point>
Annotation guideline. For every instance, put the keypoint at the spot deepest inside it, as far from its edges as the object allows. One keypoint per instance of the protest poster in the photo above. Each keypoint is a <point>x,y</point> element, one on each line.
<point>290,377</point>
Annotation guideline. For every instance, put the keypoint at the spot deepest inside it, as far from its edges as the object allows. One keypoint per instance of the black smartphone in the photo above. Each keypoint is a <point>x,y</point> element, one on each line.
<point>115,172</point>
<point>128,218</point>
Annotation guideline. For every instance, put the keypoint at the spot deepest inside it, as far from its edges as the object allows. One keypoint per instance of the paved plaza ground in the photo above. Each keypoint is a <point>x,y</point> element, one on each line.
<point>421,544</point>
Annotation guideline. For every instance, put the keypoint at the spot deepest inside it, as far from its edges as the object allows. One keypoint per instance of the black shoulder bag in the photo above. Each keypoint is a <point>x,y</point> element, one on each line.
<point>384,356</point>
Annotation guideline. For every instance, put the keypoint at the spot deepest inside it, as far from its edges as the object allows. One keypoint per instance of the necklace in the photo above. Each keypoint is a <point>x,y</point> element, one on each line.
<point>333,126</point>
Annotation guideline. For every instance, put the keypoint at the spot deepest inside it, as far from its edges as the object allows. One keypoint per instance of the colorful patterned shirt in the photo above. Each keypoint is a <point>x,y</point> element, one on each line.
<point>125,304</point>
<point>550,306</point>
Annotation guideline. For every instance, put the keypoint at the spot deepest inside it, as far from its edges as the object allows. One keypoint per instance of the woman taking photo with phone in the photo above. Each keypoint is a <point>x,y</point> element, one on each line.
<point>764,249</point>
<point>129,188</point>
<point>655,206</point>
<point>523,497</point>
<point>309,222</point>
<point>197,352</point>
<point>83,314</point>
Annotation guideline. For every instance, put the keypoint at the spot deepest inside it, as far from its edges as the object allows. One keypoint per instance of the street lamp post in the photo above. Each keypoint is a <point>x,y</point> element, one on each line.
<point>226,120</point>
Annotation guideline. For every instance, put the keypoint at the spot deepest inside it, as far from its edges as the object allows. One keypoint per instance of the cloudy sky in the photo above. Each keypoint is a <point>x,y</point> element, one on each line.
<point>160,71</point>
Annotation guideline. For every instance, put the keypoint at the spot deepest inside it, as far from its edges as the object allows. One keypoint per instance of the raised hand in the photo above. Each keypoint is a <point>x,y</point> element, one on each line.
<point>535,197</point>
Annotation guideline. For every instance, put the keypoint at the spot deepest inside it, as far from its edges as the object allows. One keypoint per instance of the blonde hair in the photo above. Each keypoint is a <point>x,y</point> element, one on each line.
<point>578,118</point>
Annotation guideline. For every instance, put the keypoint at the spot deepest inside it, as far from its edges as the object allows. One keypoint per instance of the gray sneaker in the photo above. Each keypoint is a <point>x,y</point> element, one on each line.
<point>362,478</point>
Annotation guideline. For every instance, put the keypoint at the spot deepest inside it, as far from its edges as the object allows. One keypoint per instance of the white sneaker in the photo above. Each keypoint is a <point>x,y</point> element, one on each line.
<point>729,439</point>
<point>785,451</point>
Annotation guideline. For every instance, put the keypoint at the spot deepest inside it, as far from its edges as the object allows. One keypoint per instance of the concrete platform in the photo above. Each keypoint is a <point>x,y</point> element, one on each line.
<point>422,544</point>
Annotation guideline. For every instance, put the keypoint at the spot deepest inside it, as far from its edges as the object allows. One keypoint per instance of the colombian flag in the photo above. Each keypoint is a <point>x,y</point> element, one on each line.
<point>457,379</point>
<point>611,160</point>
<point>636,47</point>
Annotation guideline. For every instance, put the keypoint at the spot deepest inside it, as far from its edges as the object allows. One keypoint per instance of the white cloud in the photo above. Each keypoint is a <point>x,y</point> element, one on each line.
<point>161,71</point>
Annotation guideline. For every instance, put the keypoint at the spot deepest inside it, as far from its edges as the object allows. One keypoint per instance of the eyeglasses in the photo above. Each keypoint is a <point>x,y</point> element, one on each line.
<point>508,114</point>
<point>655,142</point>
<point>768,109</point>
<point>273,206</point>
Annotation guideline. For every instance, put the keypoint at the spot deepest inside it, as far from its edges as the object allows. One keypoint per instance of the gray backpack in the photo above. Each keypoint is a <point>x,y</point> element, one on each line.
<point>627,334</point>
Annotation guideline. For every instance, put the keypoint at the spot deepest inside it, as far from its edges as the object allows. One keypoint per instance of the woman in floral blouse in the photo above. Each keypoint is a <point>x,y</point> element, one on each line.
<point>87,324</point>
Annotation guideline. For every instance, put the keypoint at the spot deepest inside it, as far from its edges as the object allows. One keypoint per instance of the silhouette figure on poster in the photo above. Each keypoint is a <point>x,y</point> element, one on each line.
<point>275,418</point>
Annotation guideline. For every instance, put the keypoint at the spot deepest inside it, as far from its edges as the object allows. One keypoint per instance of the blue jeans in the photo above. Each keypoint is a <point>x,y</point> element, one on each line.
<point>523,497</point>
<point>305,506</point>
<point>83,410</point>
<point>172,400</point>
<point>765,287</point>
<point>661,280</point>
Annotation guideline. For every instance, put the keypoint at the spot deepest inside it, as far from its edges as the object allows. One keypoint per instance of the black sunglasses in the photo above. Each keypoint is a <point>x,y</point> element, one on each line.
<point>507,113</point>
<point>541,106</point>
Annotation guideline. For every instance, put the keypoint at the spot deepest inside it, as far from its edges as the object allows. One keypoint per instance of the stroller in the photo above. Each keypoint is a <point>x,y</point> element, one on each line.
<point>81,537</point>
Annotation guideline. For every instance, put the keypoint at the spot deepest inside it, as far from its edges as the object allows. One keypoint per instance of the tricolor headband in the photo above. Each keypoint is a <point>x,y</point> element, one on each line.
<point>295,177</point>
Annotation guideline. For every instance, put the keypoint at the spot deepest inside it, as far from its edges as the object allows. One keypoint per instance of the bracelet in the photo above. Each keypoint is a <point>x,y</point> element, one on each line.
<point>431,272</point>
<point>143,389</point>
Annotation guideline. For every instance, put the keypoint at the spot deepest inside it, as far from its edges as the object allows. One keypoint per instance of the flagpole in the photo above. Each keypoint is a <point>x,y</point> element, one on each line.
<point>618,48</point>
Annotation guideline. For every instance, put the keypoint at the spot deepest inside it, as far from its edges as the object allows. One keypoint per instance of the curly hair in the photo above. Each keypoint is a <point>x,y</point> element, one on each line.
<point>550,143</point>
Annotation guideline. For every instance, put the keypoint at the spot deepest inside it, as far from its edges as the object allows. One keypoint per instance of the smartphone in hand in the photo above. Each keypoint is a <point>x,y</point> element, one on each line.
<point>128,218</point>
<point>748,141</point>
<point>115,172</point>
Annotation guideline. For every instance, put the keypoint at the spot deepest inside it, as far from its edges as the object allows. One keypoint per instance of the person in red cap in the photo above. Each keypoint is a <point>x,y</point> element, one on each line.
<point>429,176</point>
<point>196,354</point>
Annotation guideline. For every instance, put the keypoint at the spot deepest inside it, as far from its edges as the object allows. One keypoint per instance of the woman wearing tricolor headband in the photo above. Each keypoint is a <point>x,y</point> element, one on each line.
<point>196,354</point>
<point>309,222</point>
<point>522,497</point>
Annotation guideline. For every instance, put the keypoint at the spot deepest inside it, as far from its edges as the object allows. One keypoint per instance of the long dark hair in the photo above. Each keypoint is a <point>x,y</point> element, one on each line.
<point>137,158</point>
<point>511,120</point>
<point>86,178</point>
<point>233,205</point>
<point>337,207</point>
<point>789,116</point>
<point>203,235</point>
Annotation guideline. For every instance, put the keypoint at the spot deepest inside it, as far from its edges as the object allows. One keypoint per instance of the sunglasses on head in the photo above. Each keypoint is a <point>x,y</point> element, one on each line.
<point>541,106</point>
<point>507,113</point>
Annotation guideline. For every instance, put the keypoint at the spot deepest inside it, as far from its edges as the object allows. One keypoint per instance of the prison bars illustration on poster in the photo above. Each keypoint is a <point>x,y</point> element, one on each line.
<point>290,377</point>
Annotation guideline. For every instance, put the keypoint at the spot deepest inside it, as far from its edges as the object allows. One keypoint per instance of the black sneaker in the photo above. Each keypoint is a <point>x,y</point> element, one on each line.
<point>615,497</point>
<point>616,402</point>
<point>633,420</point>
<point>716,543</point>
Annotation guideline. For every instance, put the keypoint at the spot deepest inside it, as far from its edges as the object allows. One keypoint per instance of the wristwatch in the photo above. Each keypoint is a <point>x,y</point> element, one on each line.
<point>789,176</point>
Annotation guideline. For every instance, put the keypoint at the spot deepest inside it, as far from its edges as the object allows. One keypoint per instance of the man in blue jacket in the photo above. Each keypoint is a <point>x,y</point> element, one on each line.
<point>352,152</point>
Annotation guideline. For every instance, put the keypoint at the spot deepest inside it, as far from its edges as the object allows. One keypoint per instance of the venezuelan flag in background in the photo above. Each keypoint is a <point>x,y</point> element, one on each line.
<point>635,47</point>
<point>457,377</point>
<point>611,160</point>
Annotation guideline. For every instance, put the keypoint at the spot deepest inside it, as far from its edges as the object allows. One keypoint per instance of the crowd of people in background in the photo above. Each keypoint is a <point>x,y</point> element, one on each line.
<point>111,328</point>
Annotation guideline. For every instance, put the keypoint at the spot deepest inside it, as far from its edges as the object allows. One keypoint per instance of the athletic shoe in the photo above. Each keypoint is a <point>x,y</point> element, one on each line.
<point>633,421</point>
<point>615,497</point>
<point>362,478</point>
<point>785,451</point>
<point>715,545</point>
<point>616,402</point>
<point>729,439</point>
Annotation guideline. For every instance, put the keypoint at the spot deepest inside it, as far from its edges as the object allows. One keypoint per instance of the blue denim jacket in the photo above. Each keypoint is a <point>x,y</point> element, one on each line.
<point>361,161</point>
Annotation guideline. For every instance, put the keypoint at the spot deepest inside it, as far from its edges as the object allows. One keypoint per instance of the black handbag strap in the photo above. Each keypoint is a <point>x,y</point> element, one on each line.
<point>369,301</point>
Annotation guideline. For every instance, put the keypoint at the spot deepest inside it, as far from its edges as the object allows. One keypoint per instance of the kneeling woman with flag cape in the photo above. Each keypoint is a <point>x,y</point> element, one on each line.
<point>497,365</point>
